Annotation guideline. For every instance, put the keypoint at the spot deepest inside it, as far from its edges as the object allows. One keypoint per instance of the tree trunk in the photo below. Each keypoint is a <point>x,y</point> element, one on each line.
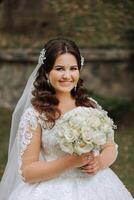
<point>18,14</point>
<point>8,22</point>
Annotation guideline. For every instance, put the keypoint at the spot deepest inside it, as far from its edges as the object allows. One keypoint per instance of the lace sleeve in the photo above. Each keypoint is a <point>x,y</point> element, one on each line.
<point>111,135</point>
<point>96,103</point>
<point>27,126</point>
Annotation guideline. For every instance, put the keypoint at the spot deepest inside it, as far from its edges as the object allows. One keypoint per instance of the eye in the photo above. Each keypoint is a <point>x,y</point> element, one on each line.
<point>74,68</point>
<point>59,68</point>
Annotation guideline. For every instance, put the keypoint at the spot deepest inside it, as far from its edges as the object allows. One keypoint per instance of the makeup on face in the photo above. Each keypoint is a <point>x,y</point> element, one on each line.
<point>65,73</point>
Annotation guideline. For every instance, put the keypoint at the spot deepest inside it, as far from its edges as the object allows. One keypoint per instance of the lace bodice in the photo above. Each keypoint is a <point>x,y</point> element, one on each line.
<point>50,147</point>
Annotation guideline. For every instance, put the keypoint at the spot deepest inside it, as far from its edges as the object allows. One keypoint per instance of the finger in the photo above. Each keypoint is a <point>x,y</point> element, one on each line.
<point>88,157</point>
<point>85,163</point>
<point>93,173</point>
<point>91,163</point>
<point>90,170</point>
<point>85,168</point>
<point>94,168</point>
<point>87,154</point>
<point>89,167</point>
<point>94,161</point>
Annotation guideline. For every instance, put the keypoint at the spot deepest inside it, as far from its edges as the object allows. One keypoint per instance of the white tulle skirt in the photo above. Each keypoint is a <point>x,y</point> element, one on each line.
<point>103,186</point>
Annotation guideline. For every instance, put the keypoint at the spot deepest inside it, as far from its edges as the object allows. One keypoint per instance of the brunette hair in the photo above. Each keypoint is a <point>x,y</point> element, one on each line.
<point>44,99</point>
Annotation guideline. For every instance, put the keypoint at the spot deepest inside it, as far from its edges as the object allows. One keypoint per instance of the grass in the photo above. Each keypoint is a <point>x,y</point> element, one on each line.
<point>5,119</point>
<point>123,165</point>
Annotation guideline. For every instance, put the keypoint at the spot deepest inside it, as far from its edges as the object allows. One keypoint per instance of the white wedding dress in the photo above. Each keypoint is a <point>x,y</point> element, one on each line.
<point>71,185</point>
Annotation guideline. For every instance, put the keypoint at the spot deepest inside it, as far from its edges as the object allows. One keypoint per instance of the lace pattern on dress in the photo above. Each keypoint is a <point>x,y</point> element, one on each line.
<point>27,126</point>
<point>111,135</point>
<point>97,105</point>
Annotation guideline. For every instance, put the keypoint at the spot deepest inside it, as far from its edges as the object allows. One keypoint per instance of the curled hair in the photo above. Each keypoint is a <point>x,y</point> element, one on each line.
<point>44,99</point>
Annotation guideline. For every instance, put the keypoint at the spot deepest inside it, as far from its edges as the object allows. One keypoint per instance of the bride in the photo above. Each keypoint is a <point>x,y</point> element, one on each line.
<point>37,169</point>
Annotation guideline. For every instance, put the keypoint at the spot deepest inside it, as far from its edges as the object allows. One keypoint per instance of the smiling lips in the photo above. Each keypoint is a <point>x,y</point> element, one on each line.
<point>65,83</point>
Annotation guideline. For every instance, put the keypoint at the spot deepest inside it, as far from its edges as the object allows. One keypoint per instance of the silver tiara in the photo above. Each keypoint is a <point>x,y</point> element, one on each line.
<point>42,57</point>
<point>82,61</point>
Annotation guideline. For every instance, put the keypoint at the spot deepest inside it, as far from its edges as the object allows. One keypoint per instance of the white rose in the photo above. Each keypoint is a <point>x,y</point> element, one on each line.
<point>71,135</point>
<point>77,122</point>
<point>95,122</point>
<point>66,147</point>
<point>110,134</point>
<point>86,135</point>
<point>105,127</point>
<point>99,138</point>
<point>82,148</point>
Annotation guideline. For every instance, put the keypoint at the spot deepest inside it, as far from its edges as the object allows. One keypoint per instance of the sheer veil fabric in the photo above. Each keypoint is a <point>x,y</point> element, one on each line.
<point>11,177</point>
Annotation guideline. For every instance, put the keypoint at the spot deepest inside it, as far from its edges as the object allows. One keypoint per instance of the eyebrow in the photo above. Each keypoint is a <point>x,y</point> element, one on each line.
<point>64,66</point>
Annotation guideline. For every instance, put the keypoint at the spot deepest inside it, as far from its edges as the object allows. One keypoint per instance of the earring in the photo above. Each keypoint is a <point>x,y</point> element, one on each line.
<point>75,88</point>
<point>48,82</point>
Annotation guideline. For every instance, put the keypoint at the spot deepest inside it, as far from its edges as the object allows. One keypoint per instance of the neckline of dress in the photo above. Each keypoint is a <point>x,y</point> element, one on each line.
<point>62,115</point>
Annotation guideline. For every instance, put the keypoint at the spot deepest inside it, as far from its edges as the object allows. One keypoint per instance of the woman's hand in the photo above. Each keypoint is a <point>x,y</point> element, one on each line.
<point>93,166</point>
<point>104,159</point>
<point>80,160</point>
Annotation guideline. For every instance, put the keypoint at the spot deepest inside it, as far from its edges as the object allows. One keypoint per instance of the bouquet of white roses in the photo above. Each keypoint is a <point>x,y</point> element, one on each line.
<point>84,129</point>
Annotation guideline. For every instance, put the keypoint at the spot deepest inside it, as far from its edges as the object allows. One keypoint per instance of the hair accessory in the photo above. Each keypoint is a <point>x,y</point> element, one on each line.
<point>42,57</point>
<point>82,61</point>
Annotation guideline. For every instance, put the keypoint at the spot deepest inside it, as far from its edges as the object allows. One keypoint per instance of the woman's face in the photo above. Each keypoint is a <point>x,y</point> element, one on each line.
<point>65,73</point>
